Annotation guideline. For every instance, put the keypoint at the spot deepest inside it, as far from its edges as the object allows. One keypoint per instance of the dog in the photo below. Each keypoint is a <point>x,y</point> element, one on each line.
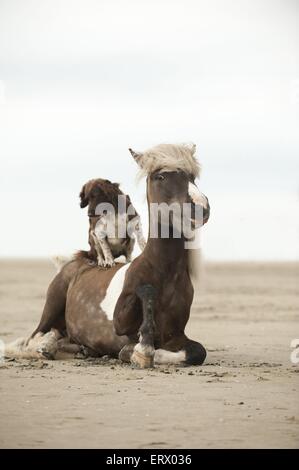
<point>106,245</point>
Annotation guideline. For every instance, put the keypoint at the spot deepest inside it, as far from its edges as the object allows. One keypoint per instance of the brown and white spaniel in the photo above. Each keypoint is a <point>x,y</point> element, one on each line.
<point>110,243</point>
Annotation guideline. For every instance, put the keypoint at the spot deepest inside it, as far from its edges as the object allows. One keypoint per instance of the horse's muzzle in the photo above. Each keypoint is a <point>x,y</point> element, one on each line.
<point>206,212</point>
<point>200,213</point>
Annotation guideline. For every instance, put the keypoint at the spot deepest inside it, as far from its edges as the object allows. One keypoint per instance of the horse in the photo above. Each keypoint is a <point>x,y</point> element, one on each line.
<point>138,311</point>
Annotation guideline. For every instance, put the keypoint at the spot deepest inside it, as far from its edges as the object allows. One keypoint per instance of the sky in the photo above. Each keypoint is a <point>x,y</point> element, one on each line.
<point>81,81</point>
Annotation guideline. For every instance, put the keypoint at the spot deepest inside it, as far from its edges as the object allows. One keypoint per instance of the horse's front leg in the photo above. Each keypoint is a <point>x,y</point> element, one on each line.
<point>133,317</point>
<point>181,350</point>
<point>126,352</point>
<point>144,350</point>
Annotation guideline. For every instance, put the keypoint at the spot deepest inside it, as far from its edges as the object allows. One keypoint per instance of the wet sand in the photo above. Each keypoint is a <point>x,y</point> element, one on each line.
<point>246,395</point>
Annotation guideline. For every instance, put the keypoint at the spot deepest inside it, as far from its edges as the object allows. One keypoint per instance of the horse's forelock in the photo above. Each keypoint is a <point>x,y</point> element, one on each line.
<point>169,157</point>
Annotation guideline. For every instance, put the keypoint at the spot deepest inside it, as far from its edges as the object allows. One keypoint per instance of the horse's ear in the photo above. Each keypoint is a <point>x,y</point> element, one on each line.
<point>137,156</point>
<point>117,185</point>
<point>191,147</point>
<point>84,199</point>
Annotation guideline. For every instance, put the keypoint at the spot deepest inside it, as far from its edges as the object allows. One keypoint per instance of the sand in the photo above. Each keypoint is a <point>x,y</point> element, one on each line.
<point>245,396</point>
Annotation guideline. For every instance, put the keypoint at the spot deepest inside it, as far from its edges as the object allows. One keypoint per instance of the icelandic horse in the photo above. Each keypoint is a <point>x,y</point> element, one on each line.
<point>137,311</point>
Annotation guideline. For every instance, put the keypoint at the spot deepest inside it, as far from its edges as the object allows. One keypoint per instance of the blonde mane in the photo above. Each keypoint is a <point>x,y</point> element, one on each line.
<point>169,157</point>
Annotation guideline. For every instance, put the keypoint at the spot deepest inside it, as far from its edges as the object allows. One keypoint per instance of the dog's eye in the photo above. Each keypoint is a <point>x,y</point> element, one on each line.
<point>160,177</point>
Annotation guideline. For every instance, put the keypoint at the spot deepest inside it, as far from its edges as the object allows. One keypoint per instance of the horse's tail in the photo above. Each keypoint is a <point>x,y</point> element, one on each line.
<point>60,261</point>
<point>81,254</point>
<point>25,348</point>
<point>39,345</point>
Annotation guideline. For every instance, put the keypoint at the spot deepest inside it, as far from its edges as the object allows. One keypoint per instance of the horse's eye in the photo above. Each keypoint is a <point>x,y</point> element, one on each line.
<point>160,177</point>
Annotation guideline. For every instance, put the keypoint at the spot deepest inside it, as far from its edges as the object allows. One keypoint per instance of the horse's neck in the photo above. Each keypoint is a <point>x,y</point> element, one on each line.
<point>167,252</point>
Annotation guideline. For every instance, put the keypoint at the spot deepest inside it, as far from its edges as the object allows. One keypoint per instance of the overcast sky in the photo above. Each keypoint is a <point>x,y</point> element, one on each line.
<point>81,81</point>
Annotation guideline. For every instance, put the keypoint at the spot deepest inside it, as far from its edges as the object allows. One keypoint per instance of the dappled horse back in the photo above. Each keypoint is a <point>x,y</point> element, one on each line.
<point>87,323</point>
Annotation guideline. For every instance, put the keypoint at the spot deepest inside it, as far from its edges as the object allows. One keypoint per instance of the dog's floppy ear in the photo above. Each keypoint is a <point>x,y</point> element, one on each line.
<point>84,198</point>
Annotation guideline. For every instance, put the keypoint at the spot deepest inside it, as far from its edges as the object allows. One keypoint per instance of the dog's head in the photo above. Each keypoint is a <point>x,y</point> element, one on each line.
<point>98,191</point>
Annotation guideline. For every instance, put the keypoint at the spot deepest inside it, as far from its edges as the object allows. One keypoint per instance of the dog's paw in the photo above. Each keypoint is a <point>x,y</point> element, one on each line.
<point>109,262</point>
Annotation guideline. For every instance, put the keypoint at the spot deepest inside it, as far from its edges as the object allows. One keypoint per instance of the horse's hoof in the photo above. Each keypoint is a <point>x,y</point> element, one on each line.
<point>126,352</point>
<point>83,353</point>
<point>141,361</point>
<point>48,345</point>
<point>46,354</point>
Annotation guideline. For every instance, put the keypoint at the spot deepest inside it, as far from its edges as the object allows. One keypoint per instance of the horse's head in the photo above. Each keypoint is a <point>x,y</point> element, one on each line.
<point>171,171</point>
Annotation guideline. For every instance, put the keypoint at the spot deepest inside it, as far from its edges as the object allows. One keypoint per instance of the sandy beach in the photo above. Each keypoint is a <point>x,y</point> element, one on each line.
<point>246,395</point>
